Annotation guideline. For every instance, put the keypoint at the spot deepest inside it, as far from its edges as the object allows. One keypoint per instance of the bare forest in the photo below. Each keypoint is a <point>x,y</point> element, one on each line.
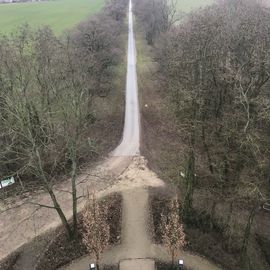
<point>51,91</point>
<point>190,178</point>
<point>214,70</point>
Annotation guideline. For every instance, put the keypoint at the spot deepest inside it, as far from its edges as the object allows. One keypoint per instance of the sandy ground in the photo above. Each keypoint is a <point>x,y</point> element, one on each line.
<point>145,264</point>
<point>137,250</point>
<point>21,220</point>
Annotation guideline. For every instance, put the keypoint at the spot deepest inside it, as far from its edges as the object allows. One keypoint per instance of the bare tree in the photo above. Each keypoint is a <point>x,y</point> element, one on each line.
<point>96,231</point>
<point>172,229</point>
<point>156,17</point>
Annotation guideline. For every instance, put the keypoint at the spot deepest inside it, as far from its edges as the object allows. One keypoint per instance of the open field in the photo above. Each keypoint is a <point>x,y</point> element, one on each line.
<point>59,14</point>
<point>188,5</point>
<point>267,3</point>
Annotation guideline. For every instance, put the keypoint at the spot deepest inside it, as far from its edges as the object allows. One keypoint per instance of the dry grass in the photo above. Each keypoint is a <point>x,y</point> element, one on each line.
<point>160,133</point>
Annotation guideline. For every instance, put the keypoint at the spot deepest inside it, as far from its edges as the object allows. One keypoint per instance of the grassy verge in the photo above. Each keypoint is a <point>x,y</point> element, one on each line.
<point>187,5</point>
<point>160,136</point>
<point>60,14</point>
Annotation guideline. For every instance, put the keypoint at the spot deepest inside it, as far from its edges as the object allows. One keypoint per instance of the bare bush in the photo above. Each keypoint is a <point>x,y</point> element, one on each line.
<point>96,231</point>
<point>172,229</point>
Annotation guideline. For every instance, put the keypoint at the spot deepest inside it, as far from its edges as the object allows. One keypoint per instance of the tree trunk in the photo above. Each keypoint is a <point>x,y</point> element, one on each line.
<point>173,255</point>
<point>190,181</point>
<point>53,197</point>
<point>226,169</point>
<point>61,215</point>
<point>206,149</point>
<point>247,233</point>
<point>190,172</point>
<point>74,196</point>
<point>212,215</point>
<point>21,183</point>
<point>227,226</point>
<point>97,258</point>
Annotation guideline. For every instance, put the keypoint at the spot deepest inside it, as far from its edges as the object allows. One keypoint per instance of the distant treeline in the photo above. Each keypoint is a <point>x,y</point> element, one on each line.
<point>21,1</point>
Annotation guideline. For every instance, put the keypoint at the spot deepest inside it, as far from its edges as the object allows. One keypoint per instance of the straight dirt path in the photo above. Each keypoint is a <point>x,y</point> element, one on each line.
<point>130,145</point>
<point>136,244</point>
<point>136,240</point>
<point>138,264</point>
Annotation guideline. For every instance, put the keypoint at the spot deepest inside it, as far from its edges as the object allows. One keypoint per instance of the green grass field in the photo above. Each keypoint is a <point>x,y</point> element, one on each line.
<point>59,14</point>
<point>188,5</point>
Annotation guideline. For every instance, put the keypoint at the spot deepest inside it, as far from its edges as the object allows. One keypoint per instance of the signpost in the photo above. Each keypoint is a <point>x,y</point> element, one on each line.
<point>266,207</point>
<point>181,264</point>
<point>7,182</point>
<point>92,266</point>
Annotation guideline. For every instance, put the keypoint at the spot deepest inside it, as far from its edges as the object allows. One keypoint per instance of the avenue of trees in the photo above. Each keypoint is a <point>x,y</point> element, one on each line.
<point>48,86</point>
<point>215,65</point>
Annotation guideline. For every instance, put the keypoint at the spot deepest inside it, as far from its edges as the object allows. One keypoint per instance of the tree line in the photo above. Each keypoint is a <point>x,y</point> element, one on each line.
<point>215,65</point>
<point>48,85</point>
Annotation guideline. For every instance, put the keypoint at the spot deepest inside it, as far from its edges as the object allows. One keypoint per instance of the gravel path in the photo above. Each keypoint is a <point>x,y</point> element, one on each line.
<point>136,242</point>
<point>137,250</point>
<point>140,264</point>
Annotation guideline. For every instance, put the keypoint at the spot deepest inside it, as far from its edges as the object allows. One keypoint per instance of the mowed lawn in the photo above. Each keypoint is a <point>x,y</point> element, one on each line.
<point>58,14</point>
<point>189,5</point>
